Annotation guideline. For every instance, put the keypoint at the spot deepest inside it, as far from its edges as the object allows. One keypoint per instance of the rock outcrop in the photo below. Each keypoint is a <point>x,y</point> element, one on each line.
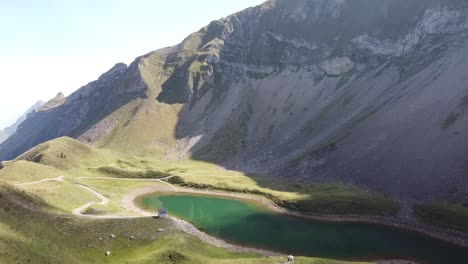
<point>73,115</point>
<point>10,130</point>
<point>3,136</point>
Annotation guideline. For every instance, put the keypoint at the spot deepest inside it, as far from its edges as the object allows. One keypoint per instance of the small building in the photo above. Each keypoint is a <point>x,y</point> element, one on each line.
<point>162,213</point>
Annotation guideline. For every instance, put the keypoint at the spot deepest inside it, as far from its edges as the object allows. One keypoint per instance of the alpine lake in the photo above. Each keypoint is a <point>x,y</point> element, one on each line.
<point>250,224</point>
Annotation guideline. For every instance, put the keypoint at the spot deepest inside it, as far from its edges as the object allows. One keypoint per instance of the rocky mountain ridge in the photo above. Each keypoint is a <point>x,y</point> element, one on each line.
<point>370,93</point>
<point>10,130</point>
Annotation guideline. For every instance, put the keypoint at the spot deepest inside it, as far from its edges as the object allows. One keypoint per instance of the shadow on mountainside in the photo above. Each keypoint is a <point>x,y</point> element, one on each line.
<point>79,112</point>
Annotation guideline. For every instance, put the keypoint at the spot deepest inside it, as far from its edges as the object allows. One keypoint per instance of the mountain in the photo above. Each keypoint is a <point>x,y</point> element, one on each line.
<point>369,93</point>
<point>3,136</point>
<point>10,130</point>
<point>58,100</point>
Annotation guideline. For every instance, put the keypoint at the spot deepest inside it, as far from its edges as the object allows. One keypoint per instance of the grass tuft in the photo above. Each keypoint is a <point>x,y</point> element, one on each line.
<point>443,214</point>
<point>120,173</point>
<point>173,256</point>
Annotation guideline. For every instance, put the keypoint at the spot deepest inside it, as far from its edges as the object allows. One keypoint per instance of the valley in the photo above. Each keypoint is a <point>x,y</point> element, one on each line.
<point>86,211</point>
<point>90,193</point>
<point>338,125</point>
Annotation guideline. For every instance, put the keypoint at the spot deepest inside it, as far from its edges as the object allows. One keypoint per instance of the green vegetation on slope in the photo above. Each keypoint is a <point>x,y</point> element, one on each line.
<point>62,196</point>
<point>29,233</point>
<point>139,132</point>
<point>24,171</point>
<point>443,214</point>
<point>328,199</point>
<point>116,190</point>
<point>228,140</point>
<point>135,174</point>
<point>82,160</point>
<point>343,200</point>
<point>63,153</point>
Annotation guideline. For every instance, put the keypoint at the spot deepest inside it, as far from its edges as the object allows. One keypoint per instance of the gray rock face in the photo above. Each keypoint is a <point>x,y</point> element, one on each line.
<point>3,136</point>
<point>78,112</point>
<point>10,130</point>
<point>318,91</point>
<point>436,20</point>
<point>366,92</point>
<point>337,66</point>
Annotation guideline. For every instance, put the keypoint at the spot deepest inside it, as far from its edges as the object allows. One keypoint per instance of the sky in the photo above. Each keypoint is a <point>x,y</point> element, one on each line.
<point>52,46</point>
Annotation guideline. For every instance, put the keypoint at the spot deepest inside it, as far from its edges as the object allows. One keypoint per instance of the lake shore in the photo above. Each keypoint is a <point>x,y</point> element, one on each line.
<point>130,202</point>
<point>457,238</point>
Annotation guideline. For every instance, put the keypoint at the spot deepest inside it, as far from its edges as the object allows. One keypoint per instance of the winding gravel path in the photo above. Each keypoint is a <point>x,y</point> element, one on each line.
<point>131,179</point>
<point>57,179</point>
<point>128,203</point>
<point>104,200</point>
<point>185,226</point>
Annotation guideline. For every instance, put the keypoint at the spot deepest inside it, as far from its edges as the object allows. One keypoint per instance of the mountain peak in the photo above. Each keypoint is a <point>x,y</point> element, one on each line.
<point>116,69</point>
<point>292,87</point>
<point>57,101</point>
<point>10,130</point>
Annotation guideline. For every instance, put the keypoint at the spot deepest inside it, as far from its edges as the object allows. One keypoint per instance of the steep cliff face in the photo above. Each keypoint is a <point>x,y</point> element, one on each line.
<point>3,135</point>
<point>367,92</point>
<point>73,115</point>
<point>12,129</point>
<point>364,92</point>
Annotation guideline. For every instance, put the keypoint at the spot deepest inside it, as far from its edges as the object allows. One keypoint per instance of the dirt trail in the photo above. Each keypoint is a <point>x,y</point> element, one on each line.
<point>104,200</point>
<point>57,179</point>
<point>78,211</point>
<point>455,237</point>
<point>128,203</point>
<point>130,179</point>
<point>120,179</point>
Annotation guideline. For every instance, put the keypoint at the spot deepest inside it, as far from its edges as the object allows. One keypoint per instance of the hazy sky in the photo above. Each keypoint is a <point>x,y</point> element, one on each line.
<point>51,46</point>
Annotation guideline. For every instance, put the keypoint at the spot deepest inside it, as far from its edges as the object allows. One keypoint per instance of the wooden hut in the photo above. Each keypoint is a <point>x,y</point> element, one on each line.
<point>162,213</point>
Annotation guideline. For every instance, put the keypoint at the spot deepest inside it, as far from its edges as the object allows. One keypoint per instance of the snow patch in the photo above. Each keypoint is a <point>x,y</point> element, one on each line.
<point>337,65</point>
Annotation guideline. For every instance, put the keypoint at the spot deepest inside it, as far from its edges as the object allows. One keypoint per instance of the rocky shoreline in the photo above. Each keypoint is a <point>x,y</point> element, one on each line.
<point>129,202</point>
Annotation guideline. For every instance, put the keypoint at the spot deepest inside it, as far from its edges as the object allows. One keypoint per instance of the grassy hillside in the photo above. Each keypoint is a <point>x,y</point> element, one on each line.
<point>3,135</point>
<point>29,234</point>
<point>62,196</point>
<point>33,217</point>
<point>444,214</point>
<point>140,131</point>
<point>72,159</point>
<point>322,199</point>
<point>341,199</point>
<point>25,171</point>
<point>284,89</point>
<point>65,153</point>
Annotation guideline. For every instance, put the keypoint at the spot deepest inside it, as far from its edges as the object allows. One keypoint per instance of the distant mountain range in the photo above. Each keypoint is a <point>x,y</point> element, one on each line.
<point>370,93</point>
<point>3,136</point>
<point>10,130</point>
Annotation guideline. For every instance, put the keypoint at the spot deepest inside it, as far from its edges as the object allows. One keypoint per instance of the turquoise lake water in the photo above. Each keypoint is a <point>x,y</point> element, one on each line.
<point>248,224</point>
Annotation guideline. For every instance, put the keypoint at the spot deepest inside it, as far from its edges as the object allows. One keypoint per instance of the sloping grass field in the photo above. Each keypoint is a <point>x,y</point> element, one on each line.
<point>443,214</point>
<point>40,189</point>
<point>30,233</point>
